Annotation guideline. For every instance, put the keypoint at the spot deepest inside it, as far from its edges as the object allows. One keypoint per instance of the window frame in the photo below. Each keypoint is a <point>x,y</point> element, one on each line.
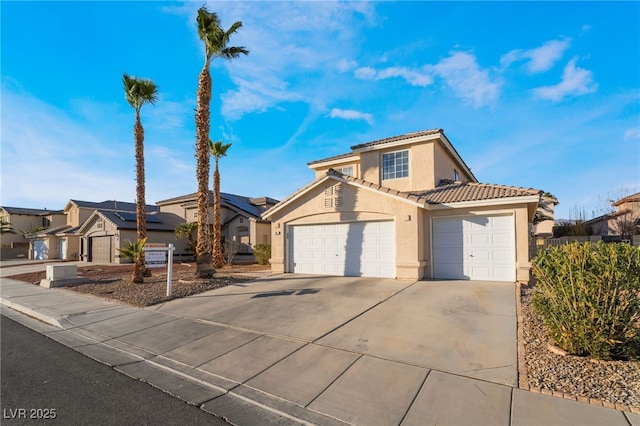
<point>399,163</point>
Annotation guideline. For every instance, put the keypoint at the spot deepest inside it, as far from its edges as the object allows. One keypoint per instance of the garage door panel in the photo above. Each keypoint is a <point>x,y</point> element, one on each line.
<point>351,249</point>
<point>474,247</point>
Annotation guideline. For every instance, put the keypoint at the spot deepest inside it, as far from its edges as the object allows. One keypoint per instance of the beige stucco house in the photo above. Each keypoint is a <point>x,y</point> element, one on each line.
<point>240,217</point>
<point>106,231</point>
<point>404,207</point>
<point>623,221</point>
<point>25,221</point>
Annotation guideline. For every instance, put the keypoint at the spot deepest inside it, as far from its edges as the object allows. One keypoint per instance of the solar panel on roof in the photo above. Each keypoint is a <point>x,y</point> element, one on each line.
<point>131,217</point>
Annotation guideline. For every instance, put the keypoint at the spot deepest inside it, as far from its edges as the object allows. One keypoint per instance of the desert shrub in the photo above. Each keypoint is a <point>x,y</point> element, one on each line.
<point>588,295</point>
<point>262,253</point>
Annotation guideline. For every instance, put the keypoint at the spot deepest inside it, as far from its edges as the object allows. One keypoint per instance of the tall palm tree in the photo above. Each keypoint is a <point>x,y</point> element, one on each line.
<point>218,150</point>
<point>139,92</point>
<point>215,42</point>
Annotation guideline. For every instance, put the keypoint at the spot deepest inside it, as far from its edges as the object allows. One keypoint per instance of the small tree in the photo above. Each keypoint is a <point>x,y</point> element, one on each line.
<point>133,251</point>
<point>6,227</point>
<point>186,230</point>
<point>218,150</point>
<point>231,248</point>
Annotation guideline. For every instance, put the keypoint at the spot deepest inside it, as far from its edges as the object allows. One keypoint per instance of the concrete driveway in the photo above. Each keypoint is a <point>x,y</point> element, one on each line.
<point>461,327</point>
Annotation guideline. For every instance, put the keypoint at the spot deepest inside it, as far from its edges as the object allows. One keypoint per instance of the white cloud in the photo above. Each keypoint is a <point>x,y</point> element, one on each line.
<point>463,75</point>
<point>575,82</point>
<point>348,114</point>
<point>539,59</point>
<point>290,45</point>
<point>345,65</point>
<point>632,134</point>
<point>413,77</point>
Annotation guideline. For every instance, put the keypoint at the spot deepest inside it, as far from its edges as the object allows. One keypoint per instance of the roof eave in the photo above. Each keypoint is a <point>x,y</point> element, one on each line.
<point>524,199</point>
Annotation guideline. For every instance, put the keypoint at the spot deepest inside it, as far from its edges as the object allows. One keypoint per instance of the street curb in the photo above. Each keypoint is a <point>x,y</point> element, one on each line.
<point>32,313</point>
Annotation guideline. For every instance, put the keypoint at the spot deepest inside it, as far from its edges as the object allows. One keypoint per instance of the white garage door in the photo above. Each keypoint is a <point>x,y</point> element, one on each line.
<point>474,248</point>
<point>39,250</point>
<point>347,249</point>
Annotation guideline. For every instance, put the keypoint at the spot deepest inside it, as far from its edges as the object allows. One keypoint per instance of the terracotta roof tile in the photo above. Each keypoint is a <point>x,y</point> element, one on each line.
<point>335,157</point>
<point>450,192</point>
<point>457,192</point>
<point>378,142</point>
<point>398,138</point>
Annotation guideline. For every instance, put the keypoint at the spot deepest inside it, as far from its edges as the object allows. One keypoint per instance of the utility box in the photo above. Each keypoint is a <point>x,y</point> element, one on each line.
<point>61,275</point>
<point>61,272</point>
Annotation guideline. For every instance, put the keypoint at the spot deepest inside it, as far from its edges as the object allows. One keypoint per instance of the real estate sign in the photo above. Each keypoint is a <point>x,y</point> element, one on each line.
<point>155,258</point>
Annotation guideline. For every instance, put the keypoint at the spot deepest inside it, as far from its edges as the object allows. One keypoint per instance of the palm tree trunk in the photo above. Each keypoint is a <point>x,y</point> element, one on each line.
<point>218,259</point>
<point>141,214</point>
<point>203,243</point>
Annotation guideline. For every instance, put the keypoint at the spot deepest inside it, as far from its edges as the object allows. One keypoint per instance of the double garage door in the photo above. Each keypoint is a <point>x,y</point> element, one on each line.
<point>474,248</point>
<point>478,247</point>
<point>347,249</point>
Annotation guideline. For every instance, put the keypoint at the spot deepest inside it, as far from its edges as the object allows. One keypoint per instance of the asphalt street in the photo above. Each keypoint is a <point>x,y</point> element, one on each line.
<point>44,382</point>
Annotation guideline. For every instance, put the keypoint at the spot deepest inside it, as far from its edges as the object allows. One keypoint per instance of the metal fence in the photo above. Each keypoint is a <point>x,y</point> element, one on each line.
<point>537,244</point>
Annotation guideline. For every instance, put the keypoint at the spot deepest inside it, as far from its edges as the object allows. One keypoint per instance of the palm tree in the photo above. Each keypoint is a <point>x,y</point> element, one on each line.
<point>215,42</point>
<point>218,150</point>
<point>186,230</point>
<point>139,92</point>
<point>6,227</point>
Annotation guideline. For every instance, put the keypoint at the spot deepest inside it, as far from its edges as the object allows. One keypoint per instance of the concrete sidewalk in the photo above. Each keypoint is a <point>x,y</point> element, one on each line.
<point>239,371</point>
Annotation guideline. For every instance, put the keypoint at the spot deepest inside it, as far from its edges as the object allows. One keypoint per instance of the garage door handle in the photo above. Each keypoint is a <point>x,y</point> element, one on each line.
<point>470,255</point>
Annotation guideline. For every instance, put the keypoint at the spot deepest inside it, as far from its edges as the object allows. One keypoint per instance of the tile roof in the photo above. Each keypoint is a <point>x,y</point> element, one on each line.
<point>449,192</point>
<point>456,192</point>
<point>398,138</point>
<point>628,199</point>
<point>252,206</point>
<point>159,222</point>
<point>335,157</point>
<point>112,205</point>
<point>28,211</point>
<point>379,142</point>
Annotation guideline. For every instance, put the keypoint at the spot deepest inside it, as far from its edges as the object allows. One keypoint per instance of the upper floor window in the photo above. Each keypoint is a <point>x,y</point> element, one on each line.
<point>456,176</point>
<point>46,222</point>
<point>346,170</point>
<point>395,165</point>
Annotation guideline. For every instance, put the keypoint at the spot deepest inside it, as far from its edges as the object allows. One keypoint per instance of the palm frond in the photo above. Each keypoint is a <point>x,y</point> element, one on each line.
<point>218,149</point>
<point>139,91</point>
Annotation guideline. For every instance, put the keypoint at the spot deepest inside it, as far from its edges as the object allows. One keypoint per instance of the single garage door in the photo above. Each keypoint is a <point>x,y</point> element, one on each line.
<point>347,249</point>
<point>100,249</point>
<point>39,250</point>
<point>474,248</point>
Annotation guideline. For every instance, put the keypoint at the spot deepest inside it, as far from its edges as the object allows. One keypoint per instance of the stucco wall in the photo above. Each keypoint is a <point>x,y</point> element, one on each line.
<point>521,232</point>
<point>358,204</point>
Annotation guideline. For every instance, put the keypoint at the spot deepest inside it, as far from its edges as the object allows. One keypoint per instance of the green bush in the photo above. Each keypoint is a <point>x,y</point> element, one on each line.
<point>262,253</point>
<point>588,295</point>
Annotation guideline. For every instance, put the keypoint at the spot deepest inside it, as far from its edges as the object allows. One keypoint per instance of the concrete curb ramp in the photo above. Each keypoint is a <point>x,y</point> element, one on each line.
<point>269,353</point>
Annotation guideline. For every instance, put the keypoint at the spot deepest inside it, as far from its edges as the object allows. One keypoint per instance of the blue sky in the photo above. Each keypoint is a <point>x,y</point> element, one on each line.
<point>541,94</point>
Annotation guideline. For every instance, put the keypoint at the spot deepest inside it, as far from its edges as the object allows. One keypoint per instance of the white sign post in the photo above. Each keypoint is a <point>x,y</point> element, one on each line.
<point>161,250</point>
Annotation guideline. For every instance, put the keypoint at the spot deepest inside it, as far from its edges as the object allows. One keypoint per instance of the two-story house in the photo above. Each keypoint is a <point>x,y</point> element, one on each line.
<point>24,222</point>
<point>404,207</point>
<point>240,217</point>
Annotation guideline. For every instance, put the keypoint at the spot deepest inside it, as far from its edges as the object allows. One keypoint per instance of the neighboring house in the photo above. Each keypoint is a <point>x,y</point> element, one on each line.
<point>23,221</point>
<point>67,241</point>
<point>404,207</point>
<point>240,217</point>
<point>106,231</point>
<point>622,222</point>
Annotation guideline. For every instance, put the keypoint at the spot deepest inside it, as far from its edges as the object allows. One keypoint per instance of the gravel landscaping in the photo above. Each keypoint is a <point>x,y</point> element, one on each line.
<point>613,382</point>
<point>114,282</point>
